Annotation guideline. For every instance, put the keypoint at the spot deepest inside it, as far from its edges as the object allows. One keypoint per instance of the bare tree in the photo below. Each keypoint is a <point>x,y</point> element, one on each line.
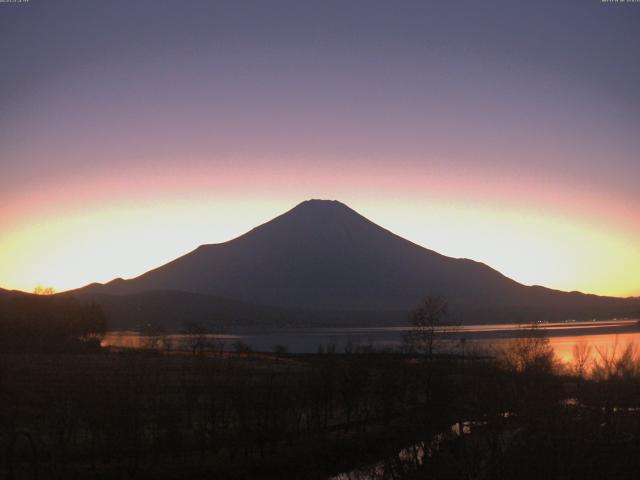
<point>611,362</point>
<point>581,358</point>
<point>528,352</point>
<point>196,336</point>
<point>428,322</point>
<point>154,338</point>
<point>42,290</point>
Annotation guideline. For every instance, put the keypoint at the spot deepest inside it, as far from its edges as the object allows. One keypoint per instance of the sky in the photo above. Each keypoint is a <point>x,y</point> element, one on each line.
<point>507,132</point>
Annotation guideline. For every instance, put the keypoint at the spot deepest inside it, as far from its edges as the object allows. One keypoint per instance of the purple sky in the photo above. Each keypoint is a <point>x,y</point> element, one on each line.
<point>534,106</point>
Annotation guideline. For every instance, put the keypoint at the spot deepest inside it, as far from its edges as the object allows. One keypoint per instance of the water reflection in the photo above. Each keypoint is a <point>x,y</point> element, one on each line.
<point>407,460</point>
<point>565,347</point>
<point>600,336</point>
<point>179,342</point>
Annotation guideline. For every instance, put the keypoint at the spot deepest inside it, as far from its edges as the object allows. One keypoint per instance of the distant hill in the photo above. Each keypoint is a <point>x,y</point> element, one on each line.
<point>5,295</point>
<point>324,262</point>
<point>171,309</point>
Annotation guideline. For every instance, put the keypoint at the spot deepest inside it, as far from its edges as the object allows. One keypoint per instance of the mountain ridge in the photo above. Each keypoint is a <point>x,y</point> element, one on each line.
<point>314,232</point>
<point>324,257</point>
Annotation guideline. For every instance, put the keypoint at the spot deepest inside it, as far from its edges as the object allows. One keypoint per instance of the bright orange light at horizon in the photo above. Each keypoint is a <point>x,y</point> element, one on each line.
<point>84,242</point>
<point>120,152</point>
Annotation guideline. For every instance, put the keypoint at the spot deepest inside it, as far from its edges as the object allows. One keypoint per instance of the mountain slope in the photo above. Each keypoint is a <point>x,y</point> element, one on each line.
<point>322,255</point>
<point>171,309</point>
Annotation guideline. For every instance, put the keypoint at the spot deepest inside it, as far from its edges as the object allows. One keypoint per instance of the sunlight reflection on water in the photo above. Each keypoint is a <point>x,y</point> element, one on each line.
<point>563,336</point>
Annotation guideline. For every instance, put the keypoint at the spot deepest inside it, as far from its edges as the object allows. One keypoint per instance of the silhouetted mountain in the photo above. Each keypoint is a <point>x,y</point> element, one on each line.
<point>170,309</point>
<point>322,256</point>
<point>6,295</point>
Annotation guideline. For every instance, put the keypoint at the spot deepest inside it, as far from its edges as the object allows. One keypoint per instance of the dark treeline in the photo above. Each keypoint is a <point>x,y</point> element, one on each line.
<point>46,323</point>
<point>376,415</point>
<point>140,415</point>
<point>169,309</point>
<point>70,410</point>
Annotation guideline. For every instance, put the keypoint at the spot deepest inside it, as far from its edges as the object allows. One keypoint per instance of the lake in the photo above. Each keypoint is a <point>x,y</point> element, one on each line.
<point>602,335</point>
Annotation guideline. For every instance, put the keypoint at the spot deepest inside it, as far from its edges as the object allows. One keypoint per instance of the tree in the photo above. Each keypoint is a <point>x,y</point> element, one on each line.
<point>196,335</point>
<point>530,352</point>
<point>581,358</point>
<point>41,290</point>
<point>155,338</point>
<point>428,322</point>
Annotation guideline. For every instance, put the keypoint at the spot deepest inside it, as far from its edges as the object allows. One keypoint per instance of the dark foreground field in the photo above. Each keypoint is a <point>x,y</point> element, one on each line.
<point>376,415</point>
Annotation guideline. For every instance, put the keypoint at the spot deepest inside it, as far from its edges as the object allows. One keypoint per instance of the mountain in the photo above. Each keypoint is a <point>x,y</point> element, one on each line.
<point>170,309</point>
<point>325,258</point>
<point>6,295</point>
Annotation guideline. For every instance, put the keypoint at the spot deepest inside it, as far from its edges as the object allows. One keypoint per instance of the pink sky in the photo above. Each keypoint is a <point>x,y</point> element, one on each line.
<point>496,134</point>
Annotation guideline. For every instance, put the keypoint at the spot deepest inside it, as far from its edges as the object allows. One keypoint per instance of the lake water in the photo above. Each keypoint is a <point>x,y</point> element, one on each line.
<point>602,335</point>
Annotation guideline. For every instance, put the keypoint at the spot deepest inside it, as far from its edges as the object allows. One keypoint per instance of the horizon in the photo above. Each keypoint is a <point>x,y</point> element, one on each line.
<point>502,133</point>
<point>295,207</point>
<point>320,239</point>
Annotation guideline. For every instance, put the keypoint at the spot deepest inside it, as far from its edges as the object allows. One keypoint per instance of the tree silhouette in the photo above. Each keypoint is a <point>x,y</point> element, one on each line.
<point>196,335</point>
<point>42,290</point>
<point>46,322</point>
<point>529,352</point>
<point>428,322</point>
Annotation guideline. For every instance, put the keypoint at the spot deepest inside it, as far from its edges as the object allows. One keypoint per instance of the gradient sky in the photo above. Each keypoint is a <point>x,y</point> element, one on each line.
<point>507,132</point>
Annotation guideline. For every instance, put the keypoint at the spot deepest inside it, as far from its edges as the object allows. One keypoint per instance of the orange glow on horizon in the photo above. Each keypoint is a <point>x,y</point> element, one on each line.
<point>557,237</point>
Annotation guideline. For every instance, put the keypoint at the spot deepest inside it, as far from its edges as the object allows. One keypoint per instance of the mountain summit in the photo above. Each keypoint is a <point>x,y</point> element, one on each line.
<point>323,256</point>
<point>320,254</point>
